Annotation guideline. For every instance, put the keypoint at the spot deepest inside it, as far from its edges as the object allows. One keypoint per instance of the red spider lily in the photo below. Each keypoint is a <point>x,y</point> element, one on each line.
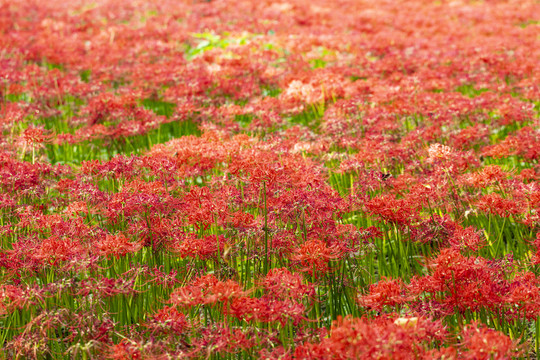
<point>470,136</point>
<point>467,238</point>
<point>58,226</point>
<point>56,250</point>
<point>29,345</point>
<point>277,353</point>
<point>523,297</point>
<point>125,350</point>
<point>119,166</point>
<point>117,245</point>
<point>264,166</point>
<point>242,220</point>
<point>206,290</point>
<point>352,338</point>
<point>524,142</point>
<point>165,279</point>
<point>202,207</point>
<point>439,152</point>
<point>199,195</point>
<point>282,284</point>
<point>18,177</point>
<point>193,156</point>
<point>528,175</point>
<point>148,187</point>
<point>34,136</point>
<point>160,167</point>
<point>11,298</point>
<point>489,175</point>
<point>154,231</point>
<point>80,191</point>
<point>535,260</point>
<point>460,283</point>
<point>497,205</point>
<point>314,206</point>
<point>346,237</point>
<point>167,320</point>
<point>6,201</point>
<point>484,343</point>
<point>446,161</point>
<point>205,281</point>
<point>314,255</point>
<point>77,208</point>
<point>370,232</point>
<point>10,262</point>
<point>83,326</point>
<point>91,329</point>
<point>107,287</point>
<point>266,310</point>
<point>378,87</point>
<point>106,105</point>
<point>399,211</point>
<point>435,229</point>
<point>283,242</point>
<point>201,218</point>
<point>32,139</point>
<point>208,247</point>
<point>386,292</point>
<point>303,93</point>
<point>129,204</point>
<point>221,338</point>
<point>11,114</point>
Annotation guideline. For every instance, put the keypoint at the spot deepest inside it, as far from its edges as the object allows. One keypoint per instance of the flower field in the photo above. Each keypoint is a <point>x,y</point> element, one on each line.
<point>198,179</point>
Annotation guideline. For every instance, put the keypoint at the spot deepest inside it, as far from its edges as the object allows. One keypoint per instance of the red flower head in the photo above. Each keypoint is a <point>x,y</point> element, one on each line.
<point>117,246</point>
<point>482,343</point>
<point>386,292</point>
<point>314,255</point>
<point>206,290</point>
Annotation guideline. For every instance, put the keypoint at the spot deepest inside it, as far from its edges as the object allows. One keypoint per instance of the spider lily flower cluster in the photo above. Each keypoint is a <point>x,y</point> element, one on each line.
<point>252,179</point>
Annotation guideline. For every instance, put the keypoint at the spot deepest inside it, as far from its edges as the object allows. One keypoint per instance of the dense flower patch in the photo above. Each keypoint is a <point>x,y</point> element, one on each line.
<point>348,179</point>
